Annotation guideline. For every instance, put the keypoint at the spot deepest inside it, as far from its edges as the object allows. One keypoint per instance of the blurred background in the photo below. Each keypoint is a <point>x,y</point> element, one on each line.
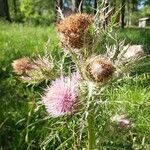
<point>44,11</point>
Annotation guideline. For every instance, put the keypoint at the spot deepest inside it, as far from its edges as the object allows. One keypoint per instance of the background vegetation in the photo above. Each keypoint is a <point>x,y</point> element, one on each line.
<point>44,12</point>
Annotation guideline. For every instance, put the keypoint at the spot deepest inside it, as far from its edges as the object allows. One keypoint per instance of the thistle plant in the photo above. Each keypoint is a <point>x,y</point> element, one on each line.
<point>22,65</point>
<point>34,71</point>
<point>61,97</point>
<point>80,93</point>
<point>73,30</point>
<point>121,120</point>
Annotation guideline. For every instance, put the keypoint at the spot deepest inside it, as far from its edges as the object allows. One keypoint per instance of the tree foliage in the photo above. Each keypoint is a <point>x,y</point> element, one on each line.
<point>44,12</point>
<point>38,11</point>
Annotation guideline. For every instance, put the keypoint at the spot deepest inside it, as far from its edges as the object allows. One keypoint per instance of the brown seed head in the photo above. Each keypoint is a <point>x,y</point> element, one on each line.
<point>100,69</point>
<point>73,29</point>
<point>134,51</point>
<point>22,65</point>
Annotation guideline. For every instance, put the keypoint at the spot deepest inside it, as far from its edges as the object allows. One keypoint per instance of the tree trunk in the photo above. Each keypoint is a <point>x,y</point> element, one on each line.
<point>128,13</point>
<point>95,6</point>
<point>122,16</point>
<point>75,6</point>
<point>15,7</point>
<point>4,10</point>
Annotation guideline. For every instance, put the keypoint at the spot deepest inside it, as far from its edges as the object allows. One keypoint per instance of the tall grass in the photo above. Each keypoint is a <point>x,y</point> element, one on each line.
<point>25,125</point>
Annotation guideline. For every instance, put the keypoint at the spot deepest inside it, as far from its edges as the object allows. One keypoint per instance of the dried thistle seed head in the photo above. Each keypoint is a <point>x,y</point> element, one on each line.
<point>100,69</point>
<point>22,65</point>
<point>73,30</point>
<point>41,70</point>
<point>134,51</point>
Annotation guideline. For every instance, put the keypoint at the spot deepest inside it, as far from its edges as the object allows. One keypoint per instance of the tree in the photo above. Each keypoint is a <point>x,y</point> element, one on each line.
<point>15,7</point>
<point>38,12</point>
<point>147,2</point>
<point>76,4</point>
<point>128,13</point>
<point>95,6</point>
<point>122,15</point>
<point>4,10</point>
<point>134,5</point>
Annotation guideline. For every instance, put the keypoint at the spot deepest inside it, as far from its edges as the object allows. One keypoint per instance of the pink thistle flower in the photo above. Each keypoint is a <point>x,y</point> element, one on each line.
<point>124,123</point>
<point>76,77</point>
<point>121,120</point>
<point>61,97</point>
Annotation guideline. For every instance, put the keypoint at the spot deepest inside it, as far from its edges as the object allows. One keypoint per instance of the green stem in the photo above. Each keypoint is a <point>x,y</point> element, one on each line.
<point>90,119</point>
<point>91,134</point>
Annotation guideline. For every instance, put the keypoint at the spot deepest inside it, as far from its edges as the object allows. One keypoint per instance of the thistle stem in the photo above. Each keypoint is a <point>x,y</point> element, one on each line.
<point>91,134</point>
<point>90,119</point>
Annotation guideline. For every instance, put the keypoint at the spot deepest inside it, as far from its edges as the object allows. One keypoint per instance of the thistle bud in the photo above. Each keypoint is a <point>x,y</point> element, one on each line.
<point>124,123</point>
<point>134,51</point>
<point>100,69</point>
<point>121,121</point>
<point>22,65</point>
<point>41,70</point>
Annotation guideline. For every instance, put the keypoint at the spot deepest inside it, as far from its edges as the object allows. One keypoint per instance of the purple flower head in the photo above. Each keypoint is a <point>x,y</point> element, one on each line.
<point>121,120</point>
<point>124,123</point>
<point>76,77</point>
<point>61,97</point>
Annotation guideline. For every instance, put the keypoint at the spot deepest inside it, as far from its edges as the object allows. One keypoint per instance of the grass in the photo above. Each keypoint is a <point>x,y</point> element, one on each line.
<point>137,36</point>
<point>24,125</point>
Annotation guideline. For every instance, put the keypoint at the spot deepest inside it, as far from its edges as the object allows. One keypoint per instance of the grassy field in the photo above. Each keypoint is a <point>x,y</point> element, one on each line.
<point>24,127</point>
